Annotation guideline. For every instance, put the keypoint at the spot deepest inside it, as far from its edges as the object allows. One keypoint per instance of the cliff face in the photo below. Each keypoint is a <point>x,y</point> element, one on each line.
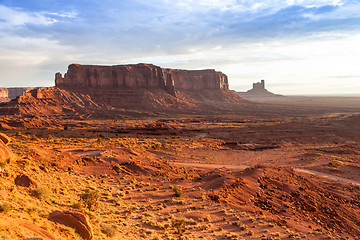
<point>146,87</point>
<point>4,95</point>
<point>139,76</point>
<point>7,94</point>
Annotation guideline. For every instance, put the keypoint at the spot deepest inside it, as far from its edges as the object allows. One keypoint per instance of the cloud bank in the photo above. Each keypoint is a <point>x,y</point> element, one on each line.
<point>296,44</point>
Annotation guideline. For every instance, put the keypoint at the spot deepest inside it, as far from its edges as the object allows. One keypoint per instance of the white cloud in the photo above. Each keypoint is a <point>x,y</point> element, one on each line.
<point>249,5</point>
<point>247,40</point>
<point>306,65</point>
<point>13,17</point>
<point>71,14</point>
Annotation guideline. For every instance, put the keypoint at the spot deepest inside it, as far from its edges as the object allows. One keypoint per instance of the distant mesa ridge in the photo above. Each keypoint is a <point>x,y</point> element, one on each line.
<point>7,94</point>
<point>137,76</point>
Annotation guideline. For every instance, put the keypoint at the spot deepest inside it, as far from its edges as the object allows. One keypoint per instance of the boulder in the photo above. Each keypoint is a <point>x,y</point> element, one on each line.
<point>75,220</point>
<point>24,181</point>
<point>5,139</point>
<point>5,153</point>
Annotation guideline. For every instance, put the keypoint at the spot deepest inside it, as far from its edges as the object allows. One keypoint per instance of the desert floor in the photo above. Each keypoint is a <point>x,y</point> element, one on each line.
<point>240,176</point>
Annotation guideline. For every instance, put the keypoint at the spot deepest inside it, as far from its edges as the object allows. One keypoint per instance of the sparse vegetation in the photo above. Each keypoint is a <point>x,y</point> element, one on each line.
<point>5,208</point>
<point>89,199</point>
<point>41,193</point>
<point>179,224</point>
<point>108,230</point>
<point>177,191</point>
<point>150,197</point>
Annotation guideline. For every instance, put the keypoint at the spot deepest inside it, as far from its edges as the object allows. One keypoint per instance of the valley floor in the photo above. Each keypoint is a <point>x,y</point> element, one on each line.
<point>227,177</point>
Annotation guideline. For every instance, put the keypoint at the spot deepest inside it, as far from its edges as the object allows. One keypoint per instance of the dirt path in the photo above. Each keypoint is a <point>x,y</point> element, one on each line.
<point>211,165</point>
<point>325,175</point>
<point>242,167</point>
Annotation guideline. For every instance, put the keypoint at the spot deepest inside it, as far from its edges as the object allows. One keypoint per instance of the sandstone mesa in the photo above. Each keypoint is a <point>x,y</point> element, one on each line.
<point>140,76</point>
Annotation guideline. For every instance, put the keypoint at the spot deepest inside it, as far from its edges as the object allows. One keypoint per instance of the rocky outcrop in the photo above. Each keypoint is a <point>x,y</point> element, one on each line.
<point>4,95</point>
<point>138,76</point>
<point>258,91</point>
<point>5,139</point>
<point>88,91</point>
<point>52,101</point>
<point>259,86</point>
<point>75,220</point>
<point>24,181</point>
<point>5,153</point>
<point>7,94</point>
<point>147,87</point>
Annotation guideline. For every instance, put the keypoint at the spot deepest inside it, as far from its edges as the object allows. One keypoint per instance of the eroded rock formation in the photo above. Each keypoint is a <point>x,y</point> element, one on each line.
<point>146,86</point>
<point>6,154</point>
<point>7,94</point>
<point>101,91</point>
<point>138,76</point>
<point>75,220</point>
<point>258,91</point>
<point>259,86</point>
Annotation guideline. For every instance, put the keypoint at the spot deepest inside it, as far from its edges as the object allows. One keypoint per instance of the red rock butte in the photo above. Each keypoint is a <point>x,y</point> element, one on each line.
<point>136,76</point>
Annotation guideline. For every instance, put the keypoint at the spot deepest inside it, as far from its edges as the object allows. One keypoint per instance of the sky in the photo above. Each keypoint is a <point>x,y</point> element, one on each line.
<point>299,47</point>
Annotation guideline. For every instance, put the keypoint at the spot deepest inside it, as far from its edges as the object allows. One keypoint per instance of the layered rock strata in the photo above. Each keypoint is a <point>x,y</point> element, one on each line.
<point>7,94</point>
<point>139,76</point>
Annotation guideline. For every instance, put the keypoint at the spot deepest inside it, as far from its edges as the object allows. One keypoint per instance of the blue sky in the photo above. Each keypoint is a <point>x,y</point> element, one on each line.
<point>297,46</point>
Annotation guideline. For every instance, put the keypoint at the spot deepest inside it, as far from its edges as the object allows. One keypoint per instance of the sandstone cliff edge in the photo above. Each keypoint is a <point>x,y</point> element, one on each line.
<point>138,76</point>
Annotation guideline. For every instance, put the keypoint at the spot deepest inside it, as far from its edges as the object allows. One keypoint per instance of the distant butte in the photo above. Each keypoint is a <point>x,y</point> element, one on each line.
<point>258,91</point>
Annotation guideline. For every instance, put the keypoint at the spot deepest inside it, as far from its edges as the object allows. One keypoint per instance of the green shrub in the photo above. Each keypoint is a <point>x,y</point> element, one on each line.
<point>41,193</point>
<point>108,230</point>
<point>177,191</point>
<point>77,205</point>
<point>5,208</point>
<point>179,224</point>
<point>89,198</point>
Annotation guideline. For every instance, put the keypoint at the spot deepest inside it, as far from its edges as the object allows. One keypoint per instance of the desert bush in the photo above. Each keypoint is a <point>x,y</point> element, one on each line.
<point>164,145</point>
<point>179,224</point>
<point>41,193</point>
<point>77,205</point>
<point>89,198</point>
<point>3,164</point>
<point>207,218</point>
<point>23,163</point>
<point>34,138</point>
<point>5,208</point>
<point>177,191</point>
<point>108,230</point>
<point>5,236</point>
